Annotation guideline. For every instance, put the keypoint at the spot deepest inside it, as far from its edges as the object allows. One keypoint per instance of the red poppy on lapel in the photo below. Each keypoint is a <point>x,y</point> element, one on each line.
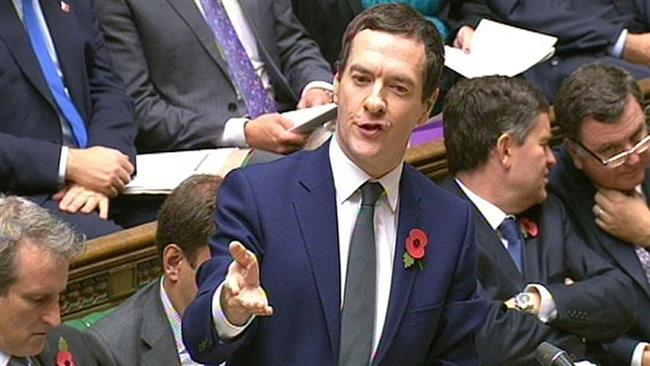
<point>528,227</point>
<point>64,357</point>
<point>416,244</point>
<point>65,7</point>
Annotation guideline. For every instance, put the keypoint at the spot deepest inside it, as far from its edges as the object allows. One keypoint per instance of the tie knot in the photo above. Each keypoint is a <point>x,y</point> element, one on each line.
<point>370,193</point>
<point>509,229</point>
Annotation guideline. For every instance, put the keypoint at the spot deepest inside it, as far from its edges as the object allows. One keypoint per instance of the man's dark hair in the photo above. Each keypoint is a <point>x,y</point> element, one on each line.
<point>402,20</point>
<point>478,111</point>
<point>595,91</point>
<point>187,215</point>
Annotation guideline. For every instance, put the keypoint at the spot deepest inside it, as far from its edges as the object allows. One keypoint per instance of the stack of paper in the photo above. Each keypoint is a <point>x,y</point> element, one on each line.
<point>499,49</point>
<point>308,119</point>
<point>160,173</point>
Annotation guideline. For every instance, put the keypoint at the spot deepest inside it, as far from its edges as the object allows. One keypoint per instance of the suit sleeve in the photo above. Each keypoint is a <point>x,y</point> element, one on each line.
<point>300,58</point>
<point>576,29</point>
<point>596,306</point>
<point>464,311</point>
<point>163,125</point>
<point>510,337</point>
<point>239,221</point>
<point>28,165</point>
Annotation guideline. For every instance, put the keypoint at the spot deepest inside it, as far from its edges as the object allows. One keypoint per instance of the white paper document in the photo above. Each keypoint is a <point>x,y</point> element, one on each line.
<point>500,49</point>
<point>308,119</point>
<point>160,173</point>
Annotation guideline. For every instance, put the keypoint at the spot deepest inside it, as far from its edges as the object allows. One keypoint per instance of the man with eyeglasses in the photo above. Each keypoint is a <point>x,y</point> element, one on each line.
<point>602,177</point>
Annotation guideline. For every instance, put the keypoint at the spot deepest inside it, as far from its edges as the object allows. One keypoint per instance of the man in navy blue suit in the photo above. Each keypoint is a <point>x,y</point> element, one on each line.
<point>66,125</point>
<point>294,229</point>
<point>602,177</point>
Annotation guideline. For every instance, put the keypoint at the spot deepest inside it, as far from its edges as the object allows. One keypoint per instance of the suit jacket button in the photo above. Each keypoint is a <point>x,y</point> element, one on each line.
<point>232,107</point>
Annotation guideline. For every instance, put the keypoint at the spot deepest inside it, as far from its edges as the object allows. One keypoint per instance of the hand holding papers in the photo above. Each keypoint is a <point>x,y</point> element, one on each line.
<point>308,119</point>
<point>499,49</point>
<point>160,173</point>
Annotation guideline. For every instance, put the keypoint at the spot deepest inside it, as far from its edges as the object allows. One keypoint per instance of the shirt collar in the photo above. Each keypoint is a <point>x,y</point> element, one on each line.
<point>4,358</point>
<point>172,316</point>
<point>348,177</point>
<point>492,214</point>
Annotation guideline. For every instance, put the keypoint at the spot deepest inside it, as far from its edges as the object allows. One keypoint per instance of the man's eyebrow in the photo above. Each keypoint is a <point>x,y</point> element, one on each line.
<point>359,68</point>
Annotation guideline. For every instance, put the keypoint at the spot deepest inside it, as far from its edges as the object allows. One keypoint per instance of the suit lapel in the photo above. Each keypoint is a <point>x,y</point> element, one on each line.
<point>490,247</point>
<point>189,12</point>
<point>315,210</point>
<point>410,216</point>
<point>17,41</point>
<point>156,333</point>
<point>252,11</point>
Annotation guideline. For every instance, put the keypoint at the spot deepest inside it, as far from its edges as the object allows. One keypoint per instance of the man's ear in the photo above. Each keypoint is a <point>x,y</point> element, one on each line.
<point>504,150</point>
<point>172,258</point>
<point>428,106</point>
<point>572,148</point>
<point>335,91</point>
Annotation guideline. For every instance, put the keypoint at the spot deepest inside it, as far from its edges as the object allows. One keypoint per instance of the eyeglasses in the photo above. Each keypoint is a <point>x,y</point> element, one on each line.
<point>619,158</point>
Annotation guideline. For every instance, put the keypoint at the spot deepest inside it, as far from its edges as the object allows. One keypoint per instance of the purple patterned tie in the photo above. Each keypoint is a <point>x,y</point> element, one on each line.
<point>257,99</point>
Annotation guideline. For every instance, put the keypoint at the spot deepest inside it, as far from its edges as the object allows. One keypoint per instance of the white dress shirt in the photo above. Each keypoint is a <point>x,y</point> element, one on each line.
<point>348,178</point>
<point>4,358</point>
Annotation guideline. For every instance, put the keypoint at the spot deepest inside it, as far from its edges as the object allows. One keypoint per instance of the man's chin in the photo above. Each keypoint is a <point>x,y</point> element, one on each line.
<point>35,344</point>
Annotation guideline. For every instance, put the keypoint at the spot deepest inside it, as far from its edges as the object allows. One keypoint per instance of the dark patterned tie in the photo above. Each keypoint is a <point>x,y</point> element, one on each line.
<point>509,230</point>
<point>358,314</point>
<point>241,69</point>
<point>644,258</point>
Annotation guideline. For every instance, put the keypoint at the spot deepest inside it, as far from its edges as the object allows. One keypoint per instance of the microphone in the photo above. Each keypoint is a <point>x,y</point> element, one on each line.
<point>549,355</point>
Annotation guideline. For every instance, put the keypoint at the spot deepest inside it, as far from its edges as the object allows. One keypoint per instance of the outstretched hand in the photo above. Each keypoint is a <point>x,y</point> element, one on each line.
<point>241,294</point>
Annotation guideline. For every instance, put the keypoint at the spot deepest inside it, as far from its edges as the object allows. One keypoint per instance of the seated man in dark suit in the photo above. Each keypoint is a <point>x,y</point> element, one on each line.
<point>35,253</point>
<point>211,73</point>
<point>345,255</point>
<point>66,124</point>
<point>612,32</point>
<point>543,282</point>
<point>602,177</point>
<point>146,329</point>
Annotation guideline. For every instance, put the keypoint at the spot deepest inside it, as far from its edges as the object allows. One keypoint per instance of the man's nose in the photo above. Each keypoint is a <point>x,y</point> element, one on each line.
<point>52,315</point>
<point>375,103</point>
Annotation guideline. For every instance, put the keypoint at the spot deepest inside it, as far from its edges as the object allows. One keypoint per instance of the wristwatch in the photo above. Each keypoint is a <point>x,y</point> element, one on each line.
<point>524,303</point>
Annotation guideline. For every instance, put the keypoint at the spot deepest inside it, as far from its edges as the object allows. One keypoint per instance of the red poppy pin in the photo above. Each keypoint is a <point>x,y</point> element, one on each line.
<point>416,244</point>
<point>528,227</point>
<point>64,357</point>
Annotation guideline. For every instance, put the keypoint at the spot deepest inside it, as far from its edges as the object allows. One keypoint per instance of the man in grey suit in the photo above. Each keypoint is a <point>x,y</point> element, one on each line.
<point>35,253</point>
<point>175,60</point>
<point>543,282</point>
<point>145,329</point>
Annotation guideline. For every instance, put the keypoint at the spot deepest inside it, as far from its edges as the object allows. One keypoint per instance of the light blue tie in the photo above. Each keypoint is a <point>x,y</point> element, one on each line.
<point>54,82</point>
<point>509,230</point>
